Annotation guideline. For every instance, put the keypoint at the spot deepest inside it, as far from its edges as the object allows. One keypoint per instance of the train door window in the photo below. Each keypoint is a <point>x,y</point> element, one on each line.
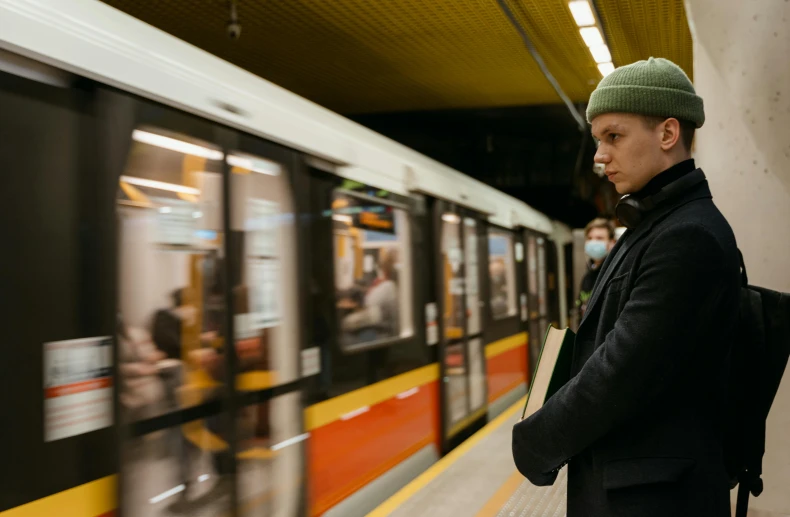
<point>170,325</point>
<point>373,277</point>
<point>477,378</point>
<point>502,274</point>
<point>535,337</point>
<point>455,354</point>
<point>472,276</point>
<point>543,301</point>
<point>263,273</point>
<point>263,276</point>
<point>171,302</point>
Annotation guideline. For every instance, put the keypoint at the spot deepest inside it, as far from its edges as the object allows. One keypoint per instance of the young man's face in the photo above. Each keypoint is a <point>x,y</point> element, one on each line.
<point>600,234</point>
<point>629,149</point>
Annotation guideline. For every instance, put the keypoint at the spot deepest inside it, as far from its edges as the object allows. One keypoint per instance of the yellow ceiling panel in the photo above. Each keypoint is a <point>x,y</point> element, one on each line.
<point>358,56</point>
<point>639,29</point>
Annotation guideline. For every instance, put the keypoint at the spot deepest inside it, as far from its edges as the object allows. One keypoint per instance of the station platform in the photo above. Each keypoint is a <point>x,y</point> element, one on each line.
<point>479,479</point>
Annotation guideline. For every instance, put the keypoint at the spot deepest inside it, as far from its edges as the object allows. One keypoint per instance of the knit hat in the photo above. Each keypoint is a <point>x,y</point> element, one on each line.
<point>656,87</point>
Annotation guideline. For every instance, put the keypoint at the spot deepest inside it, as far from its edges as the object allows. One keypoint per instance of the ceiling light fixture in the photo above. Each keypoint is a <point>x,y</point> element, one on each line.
<point>601,54</point>
<point>591,36</point>
<point>606,68</point>
<point>160,185</point>
<point>172,144</point>
<point>582,13</point>
<point>254,164</point>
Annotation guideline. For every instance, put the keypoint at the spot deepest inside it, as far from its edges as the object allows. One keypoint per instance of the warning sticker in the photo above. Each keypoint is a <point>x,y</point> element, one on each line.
<point>77,387</point>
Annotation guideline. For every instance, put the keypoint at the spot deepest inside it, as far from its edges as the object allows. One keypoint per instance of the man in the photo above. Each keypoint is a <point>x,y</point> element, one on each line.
<point>599,240</point>
<point>640,421</point>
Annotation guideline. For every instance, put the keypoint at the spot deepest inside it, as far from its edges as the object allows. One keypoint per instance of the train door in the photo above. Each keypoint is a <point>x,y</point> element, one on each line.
<point>537,299</point>
<point>208,322</point>
<point>552,283</point>
<point>461,354</point>
<point>373,406</point>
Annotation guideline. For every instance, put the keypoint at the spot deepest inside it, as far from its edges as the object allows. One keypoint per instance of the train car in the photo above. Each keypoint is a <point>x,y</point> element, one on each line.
<point>222,299</point>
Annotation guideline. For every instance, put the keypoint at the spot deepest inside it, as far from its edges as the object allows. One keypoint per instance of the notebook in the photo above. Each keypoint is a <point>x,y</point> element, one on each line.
<point>553,369</point>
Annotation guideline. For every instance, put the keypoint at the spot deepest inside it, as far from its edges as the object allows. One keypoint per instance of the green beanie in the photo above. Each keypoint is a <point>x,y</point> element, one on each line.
<point>656,87</point>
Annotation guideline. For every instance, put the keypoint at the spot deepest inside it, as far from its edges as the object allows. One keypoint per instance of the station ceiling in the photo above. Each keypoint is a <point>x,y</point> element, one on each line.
<point>378,56</point>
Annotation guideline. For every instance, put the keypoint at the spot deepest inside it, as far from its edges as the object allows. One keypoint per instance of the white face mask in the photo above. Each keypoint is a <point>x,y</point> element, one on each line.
<point>596,250</point>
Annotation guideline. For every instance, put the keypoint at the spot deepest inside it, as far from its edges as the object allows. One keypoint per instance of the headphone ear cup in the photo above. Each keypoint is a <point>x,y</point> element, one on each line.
<point>629,211</point>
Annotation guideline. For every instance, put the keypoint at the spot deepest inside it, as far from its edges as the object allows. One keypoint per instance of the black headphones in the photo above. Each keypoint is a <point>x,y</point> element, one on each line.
<point>630,210</point>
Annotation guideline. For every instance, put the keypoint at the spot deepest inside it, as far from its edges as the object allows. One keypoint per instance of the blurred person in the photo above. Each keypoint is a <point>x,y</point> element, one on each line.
<point>599,241</point>
<point>640,423</point>
<point>380,316</point>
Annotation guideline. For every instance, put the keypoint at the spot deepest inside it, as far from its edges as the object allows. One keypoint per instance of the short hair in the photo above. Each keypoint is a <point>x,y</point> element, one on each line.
<point>600,222</point>
<point>686,129</point>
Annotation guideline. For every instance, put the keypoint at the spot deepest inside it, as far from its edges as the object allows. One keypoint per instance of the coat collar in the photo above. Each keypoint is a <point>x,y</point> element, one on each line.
<point>631,237</point>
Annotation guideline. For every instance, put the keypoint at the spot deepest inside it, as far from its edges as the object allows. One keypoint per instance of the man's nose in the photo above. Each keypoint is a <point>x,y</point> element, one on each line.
<point>601,156</point>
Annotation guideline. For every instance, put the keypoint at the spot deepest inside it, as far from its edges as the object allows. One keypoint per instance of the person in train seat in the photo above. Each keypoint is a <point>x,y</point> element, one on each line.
<point>599,241</point>
<point>379,318</point>
<point>640,422</point>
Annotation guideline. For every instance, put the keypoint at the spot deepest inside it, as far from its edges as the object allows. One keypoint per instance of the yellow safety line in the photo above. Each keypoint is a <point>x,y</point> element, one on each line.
<point>392,504</point>
<point>503,345</point>
<point>501,496</point>
<point>88,500</point>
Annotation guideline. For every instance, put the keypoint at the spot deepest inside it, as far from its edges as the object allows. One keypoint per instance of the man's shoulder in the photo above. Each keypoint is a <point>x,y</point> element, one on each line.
<point>704,218</point>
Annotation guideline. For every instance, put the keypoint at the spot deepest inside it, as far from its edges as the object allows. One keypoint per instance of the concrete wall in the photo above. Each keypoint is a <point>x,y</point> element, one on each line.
<point>742,71</point>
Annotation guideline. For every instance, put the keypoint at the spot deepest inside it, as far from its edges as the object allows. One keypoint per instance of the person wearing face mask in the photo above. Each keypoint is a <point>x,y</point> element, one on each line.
<point>599,239</point>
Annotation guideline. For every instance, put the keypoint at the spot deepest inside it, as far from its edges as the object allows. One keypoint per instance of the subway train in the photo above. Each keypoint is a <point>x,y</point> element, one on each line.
<point>222,299</point>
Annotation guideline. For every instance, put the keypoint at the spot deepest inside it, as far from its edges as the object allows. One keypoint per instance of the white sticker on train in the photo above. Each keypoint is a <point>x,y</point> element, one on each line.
<point>78,387</point>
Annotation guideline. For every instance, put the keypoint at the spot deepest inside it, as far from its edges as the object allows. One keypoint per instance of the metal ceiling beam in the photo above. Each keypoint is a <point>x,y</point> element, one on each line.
<point>539,60</point>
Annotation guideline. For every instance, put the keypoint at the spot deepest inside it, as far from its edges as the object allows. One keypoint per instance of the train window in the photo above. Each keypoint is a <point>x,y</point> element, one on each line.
<point>373,277</point>
<point>472,276</point>
<point>502,273</point>
<point>263,273</point>
<point>453,259</point>
<point>171,302</point>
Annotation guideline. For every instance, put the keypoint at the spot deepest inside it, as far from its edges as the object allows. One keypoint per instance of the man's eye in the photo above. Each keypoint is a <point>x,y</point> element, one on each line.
<point>613,137</point>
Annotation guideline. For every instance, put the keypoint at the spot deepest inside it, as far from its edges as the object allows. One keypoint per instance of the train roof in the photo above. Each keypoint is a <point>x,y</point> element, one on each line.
<point>92,39</point>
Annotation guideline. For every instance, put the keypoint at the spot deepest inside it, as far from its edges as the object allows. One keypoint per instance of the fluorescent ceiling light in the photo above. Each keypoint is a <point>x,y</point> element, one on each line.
<point>580,9</point>
<point>591,36</point>
<point>451,218</point>
<point>161,185</point>
<point>178,146</point>
<point>601,54</point>
<point>606,68</point>
<point>254,164</point>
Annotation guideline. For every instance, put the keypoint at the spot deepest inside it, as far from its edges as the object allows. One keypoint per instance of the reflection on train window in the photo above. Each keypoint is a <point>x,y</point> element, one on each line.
<point>181,470</point>
<point>263,273</point>
<point>452,260</point>
<point>171,303</point>
<point>372,270</point>
<point>502,273</point>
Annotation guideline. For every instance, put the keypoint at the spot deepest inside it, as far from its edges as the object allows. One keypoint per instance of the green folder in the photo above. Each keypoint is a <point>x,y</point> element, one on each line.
<point>553,369</point>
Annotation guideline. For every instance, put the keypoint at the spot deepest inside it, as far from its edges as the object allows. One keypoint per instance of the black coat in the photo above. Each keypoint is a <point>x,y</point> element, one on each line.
<point>640,420</point>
